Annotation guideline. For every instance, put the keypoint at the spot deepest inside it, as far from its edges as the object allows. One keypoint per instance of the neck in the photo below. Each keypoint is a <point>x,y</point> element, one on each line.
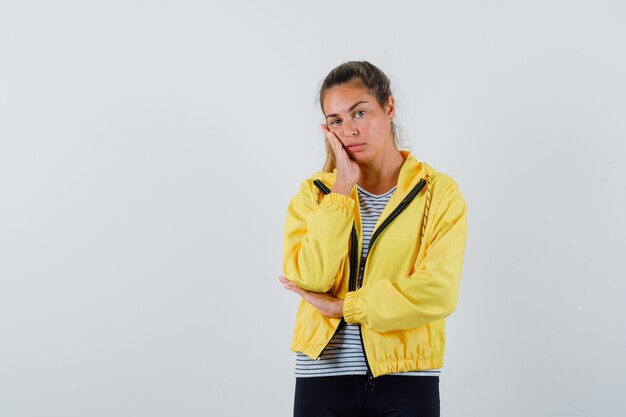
<point>380,175</point>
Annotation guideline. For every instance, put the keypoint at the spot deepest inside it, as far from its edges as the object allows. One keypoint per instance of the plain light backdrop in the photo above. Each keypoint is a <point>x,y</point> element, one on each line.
<point>148,151</point>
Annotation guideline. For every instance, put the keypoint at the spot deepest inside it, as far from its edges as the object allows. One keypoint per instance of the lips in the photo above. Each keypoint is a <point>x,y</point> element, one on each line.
<point>355,147</point>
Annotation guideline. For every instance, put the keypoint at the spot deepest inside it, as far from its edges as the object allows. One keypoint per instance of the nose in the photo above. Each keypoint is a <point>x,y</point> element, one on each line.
<point>349,129</point>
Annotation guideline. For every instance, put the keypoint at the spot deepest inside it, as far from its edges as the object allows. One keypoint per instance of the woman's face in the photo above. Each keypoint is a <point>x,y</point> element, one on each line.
<point>359,122</point>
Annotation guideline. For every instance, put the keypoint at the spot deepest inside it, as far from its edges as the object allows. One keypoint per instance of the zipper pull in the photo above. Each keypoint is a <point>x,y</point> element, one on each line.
<point>369,385</point>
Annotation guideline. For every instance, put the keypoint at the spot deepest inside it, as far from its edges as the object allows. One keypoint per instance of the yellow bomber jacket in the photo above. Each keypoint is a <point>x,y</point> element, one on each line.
<point>412,271</point>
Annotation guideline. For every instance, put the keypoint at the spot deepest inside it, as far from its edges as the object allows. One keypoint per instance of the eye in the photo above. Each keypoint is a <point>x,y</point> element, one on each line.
<point>335,122</point>
<point>359,113</point>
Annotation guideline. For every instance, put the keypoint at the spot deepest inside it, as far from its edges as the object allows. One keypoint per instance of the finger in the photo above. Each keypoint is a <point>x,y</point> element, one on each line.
<point>331,136</point>
<point>283,279</point>
<point>335,143</point>
<point>296,289</point>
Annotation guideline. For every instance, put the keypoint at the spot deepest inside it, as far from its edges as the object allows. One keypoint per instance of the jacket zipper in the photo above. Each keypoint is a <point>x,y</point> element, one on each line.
<point>369,385</point>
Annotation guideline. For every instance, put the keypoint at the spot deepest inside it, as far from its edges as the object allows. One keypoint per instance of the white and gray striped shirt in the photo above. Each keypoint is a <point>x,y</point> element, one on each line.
<point>344,353</point>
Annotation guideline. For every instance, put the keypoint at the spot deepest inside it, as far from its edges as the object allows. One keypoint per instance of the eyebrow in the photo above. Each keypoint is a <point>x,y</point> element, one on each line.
<point>350,109</point>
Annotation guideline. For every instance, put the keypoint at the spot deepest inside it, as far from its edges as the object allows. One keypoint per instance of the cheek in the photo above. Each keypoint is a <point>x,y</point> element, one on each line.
<point>380,126</point>
<point>335,129</point>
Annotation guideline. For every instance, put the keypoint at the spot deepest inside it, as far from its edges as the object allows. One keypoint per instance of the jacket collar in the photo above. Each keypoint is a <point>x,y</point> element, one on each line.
<point>411,172</point>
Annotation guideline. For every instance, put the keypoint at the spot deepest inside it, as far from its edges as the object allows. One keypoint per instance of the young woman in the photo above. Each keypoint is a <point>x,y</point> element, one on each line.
<point>374,245</point>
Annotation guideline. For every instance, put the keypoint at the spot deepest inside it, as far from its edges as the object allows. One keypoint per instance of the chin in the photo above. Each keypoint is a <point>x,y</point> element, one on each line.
<point>360,158</point>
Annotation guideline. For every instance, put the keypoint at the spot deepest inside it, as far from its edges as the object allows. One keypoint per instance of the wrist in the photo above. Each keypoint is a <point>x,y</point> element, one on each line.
<point>349,307</point>
<point>341,188</point>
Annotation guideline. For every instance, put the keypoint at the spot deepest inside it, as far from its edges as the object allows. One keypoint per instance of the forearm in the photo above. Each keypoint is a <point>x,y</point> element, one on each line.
<point>403,304</point>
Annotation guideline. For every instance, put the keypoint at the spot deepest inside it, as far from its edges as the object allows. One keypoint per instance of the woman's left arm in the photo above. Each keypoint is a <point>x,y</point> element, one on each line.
<point>431,292</point>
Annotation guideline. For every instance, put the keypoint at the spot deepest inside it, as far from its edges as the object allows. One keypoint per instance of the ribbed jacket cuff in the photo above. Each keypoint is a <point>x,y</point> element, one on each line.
<point>349,307</point>
<point>343,201</point>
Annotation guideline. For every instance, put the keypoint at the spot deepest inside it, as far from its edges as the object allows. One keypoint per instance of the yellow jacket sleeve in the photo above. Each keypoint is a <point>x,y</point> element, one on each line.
<point>316,237</point>
<point>431,292</point>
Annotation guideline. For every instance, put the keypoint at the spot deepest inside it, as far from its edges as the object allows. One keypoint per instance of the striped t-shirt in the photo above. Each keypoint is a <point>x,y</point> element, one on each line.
<point>344,353</point>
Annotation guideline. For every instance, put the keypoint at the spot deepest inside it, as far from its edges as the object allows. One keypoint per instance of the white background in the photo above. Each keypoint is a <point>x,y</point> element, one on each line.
<point>148,151</point>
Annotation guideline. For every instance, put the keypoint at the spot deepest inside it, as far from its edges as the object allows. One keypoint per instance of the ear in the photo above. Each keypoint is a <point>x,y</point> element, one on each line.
<point>390,107</point>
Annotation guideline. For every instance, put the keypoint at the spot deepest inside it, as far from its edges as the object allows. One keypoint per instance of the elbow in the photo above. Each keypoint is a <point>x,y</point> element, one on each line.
<point>443,309</point>
<point>449,307</point>
<point>309,281</point>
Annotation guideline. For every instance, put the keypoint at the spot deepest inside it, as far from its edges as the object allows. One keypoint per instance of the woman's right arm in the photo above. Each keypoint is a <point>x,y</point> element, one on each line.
<point>316,237</point>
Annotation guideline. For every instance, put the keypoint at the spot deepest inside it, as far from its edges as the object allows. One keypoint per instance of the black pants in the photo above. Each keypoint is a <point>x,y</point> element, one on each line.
<point>348,396</point>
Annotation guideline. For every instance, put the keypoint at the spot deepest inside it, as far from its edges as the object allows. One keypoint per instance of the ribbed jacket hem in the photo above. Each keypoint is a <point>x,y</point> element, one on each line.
<point>312,350</point>
<point>403,365</point>
<point>343,201</point>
